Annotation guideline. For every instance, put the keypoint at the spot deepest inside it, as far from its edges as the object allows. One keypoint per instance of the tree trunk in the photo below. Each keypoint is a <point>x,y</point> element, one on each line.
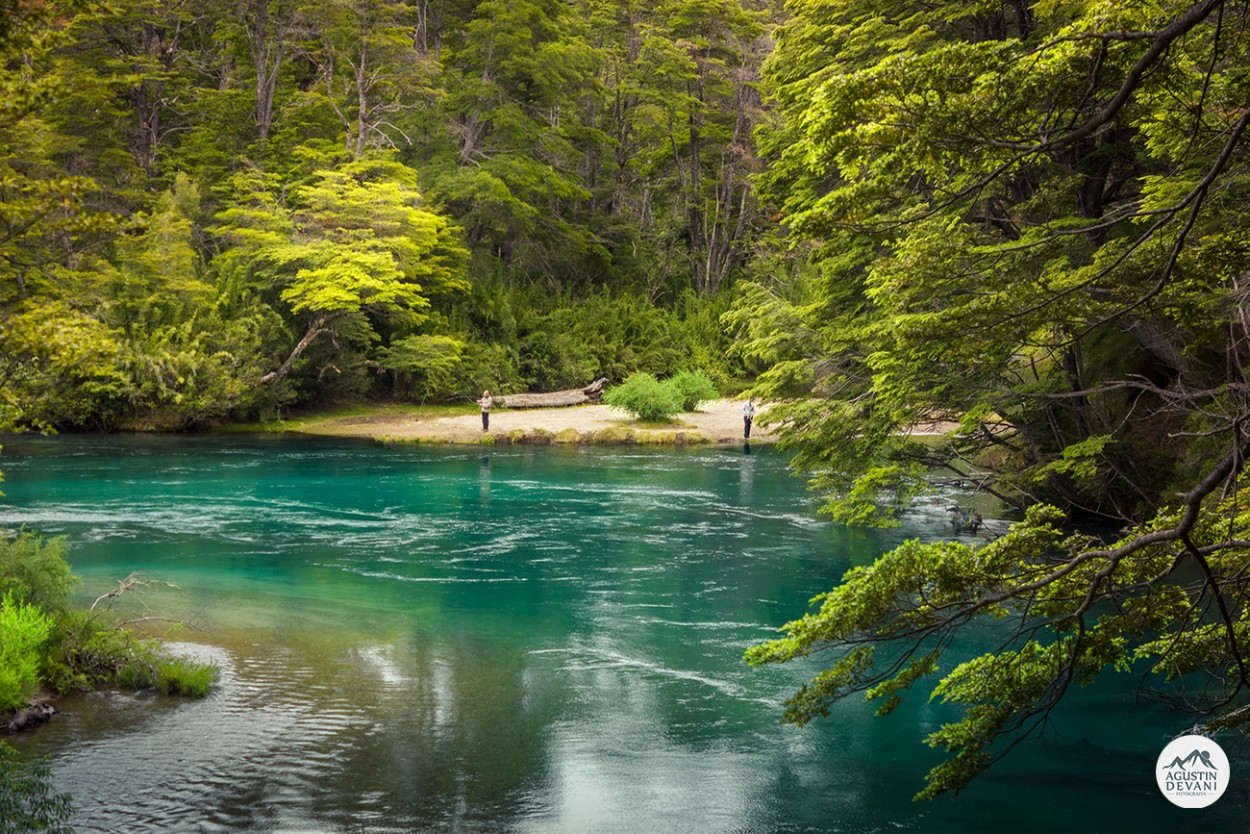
<point>315,328</point>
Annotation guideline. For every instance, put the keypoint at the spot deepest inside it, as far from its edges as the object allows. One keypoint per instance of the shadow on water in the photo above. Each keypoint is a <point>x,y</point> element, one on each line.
<point>527,640</point>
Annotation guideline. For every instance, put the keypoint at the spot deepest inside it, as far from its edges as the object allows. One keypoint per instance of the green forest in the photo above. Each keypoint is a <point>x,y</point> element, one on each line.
<point>1026,219</point>
<point>215,210</point>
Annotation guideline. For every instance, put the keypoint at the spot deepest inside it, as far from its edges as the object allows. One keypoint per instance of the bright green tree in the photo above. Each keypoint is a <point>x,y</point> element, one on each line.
<point>357,241</point>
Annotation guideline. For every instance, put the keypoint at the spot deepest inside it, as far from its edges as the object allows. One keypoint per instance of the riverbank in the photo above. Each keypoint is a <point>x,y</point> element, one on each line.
<point>716,422</point>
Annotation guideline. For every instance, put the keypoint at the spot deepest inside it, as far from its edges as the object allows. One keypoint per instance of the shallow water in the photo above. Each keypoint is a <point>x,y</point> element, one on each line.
<point>512,640</point>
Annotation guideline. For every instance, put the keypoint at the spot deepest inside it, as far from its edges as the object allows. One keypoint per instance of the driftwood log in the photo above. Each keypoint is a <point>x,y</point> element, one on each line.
<point>575,396</point>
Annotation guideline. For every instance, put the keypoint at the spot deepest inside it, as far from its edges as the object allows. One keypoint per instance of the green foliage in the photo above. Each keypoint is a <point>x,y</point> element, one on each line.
<point>201,200</point>
<point>425,367</point>
<point>90,653</point>
<point>1068,607</point>
<point>645,397</point>
<point>693,388</point>
<point>975,259</point>
<point>34,571</point>
<point>878,495</point>
<point>24,630</point>
<point>59,365</point>
<point>28,801</point>
<point>356,244</point>
<point>1014,230</point>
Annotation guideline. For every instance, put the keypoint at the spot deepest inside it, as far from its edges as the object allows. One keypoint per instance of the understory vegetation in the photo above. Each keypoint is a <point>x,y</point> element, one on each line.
<point>654,400</point>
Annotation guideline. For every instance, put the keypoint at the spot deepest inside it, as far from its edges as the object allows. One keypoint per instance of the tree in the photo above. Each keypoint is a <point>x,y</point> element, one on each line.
<point>699,55</point>
<point>356,241</point>
<point>1027,221</point>
<point>365,54</point>
<point>516,75</point>
<point>48,219</point>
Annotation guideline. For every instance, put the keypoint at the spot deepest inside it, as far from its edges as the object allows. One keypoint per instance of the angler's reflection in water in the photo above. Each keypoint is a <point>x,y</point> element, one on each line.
<point>483,475</point>
<point>746,481</point>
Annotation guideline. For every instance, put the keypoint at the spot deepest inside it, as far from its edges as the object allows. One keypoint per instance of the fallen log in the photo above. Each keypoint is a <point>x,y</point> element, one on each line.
<point>555,399</point>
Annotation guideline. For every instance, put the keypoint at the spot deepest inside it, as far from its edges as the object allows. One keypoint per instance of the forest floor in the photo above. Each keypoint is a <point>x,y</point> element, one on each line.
<point>718,421</point>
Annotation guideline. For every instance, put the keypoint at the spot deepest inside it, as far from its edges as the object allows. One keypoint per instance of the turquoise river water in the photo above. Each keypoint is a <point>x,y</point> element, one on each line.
<point>425,639</point>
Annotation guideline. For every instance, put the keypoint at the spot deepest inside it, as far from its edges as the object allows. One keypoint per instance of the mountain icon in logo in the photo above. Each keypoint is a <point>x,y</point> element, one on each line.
<point>1203,756</point>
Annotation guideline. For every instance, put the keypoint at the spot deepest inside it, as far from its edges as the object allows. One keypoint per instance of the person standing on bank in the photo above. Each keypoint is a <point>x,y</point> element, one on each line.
<point>748,414</point>
<point>485,402</point>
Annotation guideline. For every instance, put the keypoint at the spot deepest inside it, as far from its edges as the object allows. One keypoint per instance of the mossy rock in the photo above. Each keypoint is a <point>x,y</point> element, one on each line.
<point>569,435</point>
<point>538,437</point>
<point>615,435</point>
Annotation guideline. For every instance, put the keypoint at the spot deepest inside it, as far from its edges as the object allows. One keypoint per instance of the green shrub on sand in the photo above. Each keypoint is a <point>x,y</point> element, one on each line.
<point>645,397</point>
<point>693,389</point>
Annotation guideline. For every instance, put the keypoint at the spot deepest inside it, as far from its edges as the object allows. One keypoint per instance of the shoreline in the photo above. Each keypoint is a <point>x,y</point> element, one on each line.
<point>715,422</point>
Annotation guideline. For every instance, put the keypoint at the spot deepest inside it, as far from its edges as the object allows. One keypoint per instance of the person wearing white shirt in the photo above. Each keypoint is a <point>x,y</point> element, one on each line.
<point>748,414</point>
<point>485,402</point>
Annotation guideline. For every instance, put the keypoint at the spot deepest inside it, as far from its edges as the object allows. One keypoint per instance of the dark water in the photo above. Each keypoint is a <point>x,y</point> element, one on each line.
<point>523,640</point>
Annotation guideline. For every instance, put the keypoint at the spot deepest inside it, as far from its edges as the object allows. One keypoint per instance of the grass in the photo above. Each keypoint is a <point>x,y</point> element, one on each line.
<point>316,421</point>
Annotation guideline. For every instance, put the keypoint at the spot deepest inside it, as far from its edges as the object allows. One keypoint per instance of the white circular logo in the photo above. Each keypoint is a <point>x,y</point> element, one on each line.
<point>1192,771</point>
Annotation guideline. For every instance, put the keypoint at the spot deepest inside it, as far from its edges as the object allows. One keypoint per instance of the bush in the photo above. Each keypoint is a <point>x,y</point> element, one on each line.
<point>36,572</point>
<point>24,630</point>
<point>693,388</point>
<point>90,654</point>
<point>645,397</point>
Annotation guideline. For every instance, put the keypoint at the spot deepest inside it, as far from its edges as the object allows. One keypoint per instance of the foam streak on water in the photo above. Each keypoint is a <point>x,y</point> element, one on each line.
<point>516,640</point>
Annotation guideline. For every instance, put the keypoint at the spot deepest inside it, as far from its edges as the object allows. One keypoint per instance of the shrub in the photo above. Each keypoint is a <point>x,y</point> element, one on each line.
<point>36,572</point>
<point>90,654</point>
<point>645,397</point>
<point>24,630</point>
<point>693,388</point>
<point>425,366</point>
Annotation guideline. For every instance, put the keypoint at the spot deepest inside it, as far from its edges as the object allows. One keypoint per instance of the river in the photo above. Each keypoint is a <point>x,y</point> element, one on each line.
<point>442,639</point>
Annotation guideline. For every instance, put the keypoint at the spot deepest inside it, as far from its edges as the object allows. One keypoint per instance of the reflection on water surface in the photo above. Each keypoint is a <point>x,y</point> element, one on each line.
<point>516,640</point>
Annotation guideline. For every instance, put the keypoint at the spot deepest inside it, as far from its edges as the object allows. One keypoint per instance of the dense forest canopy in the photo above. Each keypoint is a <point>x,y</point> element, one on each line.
<point>1023,217</point>
<point>213,209</point>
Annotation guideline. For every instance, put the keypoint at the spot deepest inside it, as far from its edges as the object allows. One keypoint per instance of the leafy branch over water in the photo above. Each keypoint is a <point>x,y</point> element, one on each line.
<point>1027,219</point>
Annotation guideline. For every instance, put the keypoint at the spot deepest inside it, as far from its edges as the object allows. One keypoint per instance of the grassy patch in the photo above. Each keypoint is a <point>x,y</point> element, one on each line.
<point>327,419</point>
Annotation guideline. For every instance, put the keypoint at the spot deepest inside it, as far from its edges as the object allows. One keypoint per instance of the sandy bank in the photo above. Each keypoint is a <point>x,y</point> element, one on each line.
<point>719,421</point>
